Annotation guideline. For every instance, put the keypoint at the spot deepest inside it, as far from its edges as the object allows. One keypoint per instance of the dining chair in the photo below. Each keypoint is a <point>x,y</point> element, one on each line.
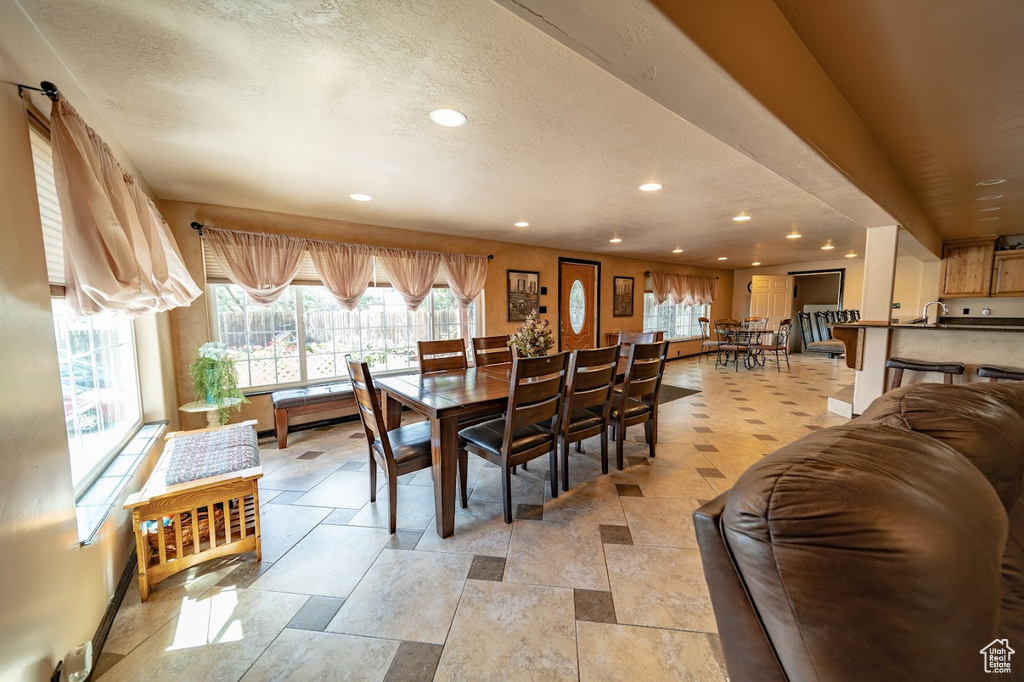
<point>441,356</point>
<point>530,426</point>
<point>398,451</point>
<point>706,342</point>
<point>638,401</point>
<point>756,322</point>
<point>781,344</point>
<point>627,339</point>
<point>491,350</point>
<point>589,384</point>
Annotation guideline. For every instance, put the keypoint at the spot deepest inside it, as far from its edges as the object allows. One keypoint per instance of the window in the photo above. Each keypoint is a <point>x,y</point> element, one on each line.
<point>381,330</point>
<point>96,355</point>
<point>676,320</point>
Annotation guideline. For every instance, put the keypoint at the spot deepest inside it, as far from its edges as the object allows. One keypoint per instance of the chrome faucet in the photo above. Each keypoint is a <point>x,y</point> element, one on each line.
<point>924,311</point>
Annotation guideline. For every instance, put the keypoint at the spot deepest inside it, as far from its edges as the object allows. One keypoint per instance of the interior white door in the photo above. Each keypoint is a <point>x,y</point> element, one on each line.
<point>771,296</point>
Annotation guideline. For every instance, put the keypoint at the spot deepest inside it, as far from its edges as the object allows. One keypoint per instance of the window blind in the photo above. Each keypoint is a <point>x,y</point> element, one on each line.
<point>49,207</point>
<point>306,275</point>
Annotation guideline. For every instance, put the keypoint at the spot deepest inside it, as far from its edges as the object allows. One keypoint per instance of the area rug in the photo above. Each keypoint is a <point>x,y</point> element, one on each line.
<point>670,393</point>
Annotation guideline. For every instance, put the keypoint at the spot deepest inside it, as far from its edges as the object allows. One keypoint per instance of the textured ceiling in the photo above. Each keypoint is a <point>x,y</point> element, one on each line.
<point>292,106</point>
<point>940,85</point>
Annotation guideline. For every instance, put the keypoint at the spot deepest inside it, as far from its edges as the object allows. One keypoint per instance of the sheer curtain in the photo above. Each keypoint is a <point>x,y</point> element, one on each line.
<point>466,276</point>
<point>263,265</point>
<point>685,289</point>
<point>411,273</point>
<point>661,287</point>
<point>344,269</point>
<point>119,254</point>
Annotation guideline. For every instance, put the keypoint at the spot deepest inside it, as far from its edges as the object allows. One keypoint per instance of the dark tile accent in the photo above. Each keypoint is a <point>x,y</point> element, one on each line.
<point>353,466</point>
<point>628,490</point>
<point>710,472</point>
<point>698,405</point>
<point>765,437</point>
<point>701,416</point>
<point>638,460</point>
<point>812,427</point>
<point>777,393</point>
<point>746,409</point>
<point>753,421</point>
<point>529,512</point>
<point>287,497</point>
<point>246,573</point>
<point>358,435</point>
<point>716,647</point>
<point>786,402</point>
<point>404,539</point>
<point>704,447</point>
<point>742,400</point>
<point>615,535</point>
<point>735,390</point>
<point>104,663</point>
<point>595,606</point>
<point>487,568</point>
<point>801,414</point>
<point>310,454</point>
<point>702,429</point>
<point>316,613</point>
<point>339,517</point>
<point>414,662</point>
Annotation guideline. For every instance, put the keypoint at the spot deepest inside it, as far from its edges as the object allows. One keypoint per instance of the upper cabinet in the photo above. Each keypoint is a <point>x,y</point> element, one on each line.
<point>1008,274</point>
<point>967,268</point>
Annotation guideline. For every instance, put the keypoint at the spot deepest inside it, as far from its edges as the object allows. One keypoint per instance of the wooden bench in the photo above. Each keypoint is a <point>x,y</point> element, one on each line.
<point>294,402</point>
<point>201,502</point>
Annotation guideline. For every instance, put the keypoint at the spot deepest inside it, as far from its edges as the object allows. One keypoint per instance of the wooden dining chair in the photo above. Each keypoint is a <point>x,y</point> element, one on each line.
<point>530,426</point>
<point>398,451</point>
<point>627,339</point>
<point>706,342</point>
<point>442,356</point>
<point>638,401</point>
<point>491,350</point>
<point>781,344</point>
<point>591,378</point>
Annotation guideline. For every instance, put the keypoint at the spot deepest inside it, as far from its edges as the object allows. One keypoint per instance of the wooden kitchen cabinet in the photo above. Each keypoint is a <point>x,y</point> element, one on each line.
<point>1008,274</point>
<point>967,268</point>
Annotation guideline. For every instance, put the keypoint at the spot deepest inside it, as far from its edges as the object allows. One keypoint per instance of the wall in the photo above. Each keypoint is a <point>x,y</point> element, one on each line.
<point>52,592</point>
<point>191,327</point>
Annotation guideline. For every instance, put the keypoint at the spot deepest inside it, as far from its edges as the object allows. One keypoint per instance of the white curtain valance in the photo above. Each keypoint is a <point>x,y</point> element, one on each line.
<point>119,255</point>
<point>412,273</point>
<point>263,265</point>
<point>466,276</point>
<point>344,269</point>
<point>685,289</point>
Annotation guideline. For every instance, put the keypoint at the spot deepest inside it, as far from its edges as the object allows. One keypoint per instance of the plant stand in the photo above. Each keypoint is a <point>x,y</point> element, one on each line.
<point>211,409</point>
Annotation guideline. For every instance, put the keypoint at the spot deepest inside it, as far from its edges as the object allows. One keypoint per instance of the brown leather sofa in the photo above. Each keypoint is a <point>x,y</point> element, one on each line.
<point>889,548</point>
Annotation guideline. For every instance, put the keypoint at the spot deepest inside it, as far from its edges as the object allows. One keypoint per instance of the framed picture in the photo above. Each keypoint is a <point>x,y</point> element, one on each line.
<point>523,294</point>
<point>622,301</point>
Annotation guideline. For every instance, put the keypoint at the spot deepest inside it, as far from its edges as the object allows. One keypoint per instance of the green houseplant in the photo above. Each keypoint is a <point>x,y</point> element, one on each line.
<point>534,338</point>
<point>215,379</point>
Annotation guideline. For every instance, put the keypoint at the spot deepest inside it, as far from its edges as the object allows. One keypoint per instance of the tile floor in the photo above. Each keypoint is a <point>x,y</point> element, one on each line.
<point>604,582</point>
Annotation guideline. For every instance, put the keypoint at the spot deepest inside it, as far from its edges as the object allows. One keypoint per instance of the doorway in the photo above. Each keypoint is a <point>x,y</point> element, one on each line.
<point>579,303</point>
<point>815,291</point>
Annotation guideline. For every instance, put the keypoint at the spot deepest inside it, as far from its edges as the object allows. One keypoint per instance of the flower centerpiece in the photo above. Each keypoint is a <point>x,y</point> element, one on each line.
<point>534,338</point>
<point>215,379</point>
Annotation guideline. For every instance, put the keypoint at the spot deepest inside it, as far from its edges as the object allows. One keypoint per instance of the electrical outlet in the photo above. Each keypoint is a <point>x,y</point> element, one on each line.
<point>895,306</point>
<point>967,311</point>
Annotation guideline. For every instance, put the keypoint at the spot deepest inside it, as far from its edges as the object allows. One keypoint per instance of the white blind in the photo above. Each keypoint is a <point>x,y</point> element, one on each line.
<point>307,273</point>
<point>49,207</point>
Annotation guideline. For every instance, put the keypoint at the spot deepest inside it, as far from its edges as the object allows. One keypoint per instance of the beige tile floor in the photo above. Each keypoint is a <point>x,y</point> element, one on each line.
<point>604,582</point>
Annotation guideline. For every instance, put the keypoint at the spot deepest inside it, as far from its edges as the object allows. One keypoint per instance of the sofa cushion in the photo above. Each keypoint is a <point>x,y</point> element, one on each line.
<point>311,395</point>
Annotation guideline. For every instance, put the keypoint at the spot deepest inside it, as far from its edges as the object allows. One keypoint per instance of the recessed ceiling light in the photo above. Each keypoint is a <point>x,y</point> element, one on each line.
<point>723,258</point>
<point>677,250</point>
<point>615,240</point>
<point>741,218</point>
<point>991,208</point>
<point>756,263</point>
<point>989,219</point>
<point>828,246</point>
<point>360,197</point>
<point>651,187</point>
<point>795,235</point>
<point>989,183</point>
<point>522,223</point>
<point>851,255</point>
<point>447,117</point>
<point>990,197</point>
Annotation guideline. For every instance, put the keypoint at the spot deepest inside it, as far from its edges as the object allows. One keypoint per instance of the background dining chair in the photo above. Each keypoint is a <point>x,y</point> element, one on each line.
<point>399,451</point>
<point>756,322</point>
<point>781,344</point>
<point>627,339</point>
<point>706,342</point>
<point>441,356</point>
<point>638,401</point>
<point>530,425</point>
<point>491,350</point>
<point>589,385</point>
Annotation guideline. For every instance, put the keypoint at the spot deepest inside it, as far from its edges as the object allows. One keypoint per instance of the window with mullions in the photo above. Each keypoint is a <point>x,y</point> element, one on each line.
<point>678,321</point>
<point>381,330</point>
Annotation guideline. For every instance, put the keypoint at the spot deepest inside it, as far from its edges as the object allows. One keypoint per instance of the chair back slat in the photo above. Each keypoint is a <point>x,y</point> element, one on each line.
<point>491,350</point>
<point>441,356</point>
<point>705,328</point>
<point>591,378</point>
<point>644,371</point>
<point>370,412</point>
<point>627,339</point>
<point>536,393</point>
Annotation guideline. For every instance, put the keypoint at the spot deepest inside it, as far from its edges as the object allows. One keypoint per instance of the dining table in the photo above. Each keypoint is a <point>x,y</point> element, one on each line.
<point>745,339</point>
<point>446,398</point>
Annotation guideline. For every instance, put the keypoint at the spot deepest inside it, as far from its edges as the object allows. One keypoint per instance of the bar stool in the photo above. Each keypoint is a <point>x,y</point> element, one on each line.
<point>996,373</point>
<point>900,364</point>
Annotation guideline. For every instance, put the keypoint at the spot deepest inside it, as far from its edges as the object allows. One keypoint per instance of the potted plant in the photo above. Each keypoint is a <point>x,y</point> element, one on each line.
<point>534,338</point>
<point>215,379</point>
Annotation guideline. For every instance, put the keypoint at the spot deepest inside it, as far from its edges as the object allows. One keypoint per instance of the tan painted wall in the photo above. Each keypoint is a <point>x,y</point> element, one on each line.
<point>190,327</point>
<point>52,592</point>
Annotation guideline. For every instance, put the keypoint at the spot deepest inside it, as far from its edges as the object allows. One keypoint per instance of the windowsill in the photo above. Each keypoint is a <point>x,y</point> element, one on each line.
<point>267,390</point>
<point>683,338</point>
<point>93,508</point>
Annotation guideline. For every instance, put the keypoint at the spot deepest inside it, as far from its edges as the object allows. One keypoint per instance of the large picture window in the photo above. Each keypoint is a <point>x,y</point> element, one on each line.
<point>678,321</point>
<point>381,330</point>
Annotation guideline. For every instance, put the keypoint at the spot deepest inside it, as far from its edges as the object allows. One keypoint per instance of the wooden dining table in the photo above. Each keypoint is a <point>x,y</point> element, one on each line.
<point>445,399</point>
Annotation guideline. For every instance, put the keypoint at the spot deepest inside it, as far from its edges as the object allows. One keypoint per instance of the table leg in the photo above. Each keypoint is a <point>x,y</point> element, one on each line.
<point>444,444</point>
<point>392,411</point>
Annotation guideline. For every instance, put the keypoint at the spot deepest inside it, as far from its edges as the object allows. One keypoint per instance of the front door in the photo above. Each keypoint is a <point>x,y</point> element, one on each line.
<point>771,296</point>
<point>577,316</point>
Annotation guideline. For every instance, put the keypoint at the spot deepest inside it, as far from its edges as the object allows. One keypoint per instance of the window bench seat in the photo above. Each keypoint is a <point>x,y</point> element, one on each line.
<point>294,402</point>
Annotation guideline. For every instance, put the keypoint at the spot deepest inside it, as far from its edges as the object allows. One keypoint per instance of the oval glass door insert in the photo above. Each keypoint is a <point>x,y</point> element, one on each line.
<point>577,307</point>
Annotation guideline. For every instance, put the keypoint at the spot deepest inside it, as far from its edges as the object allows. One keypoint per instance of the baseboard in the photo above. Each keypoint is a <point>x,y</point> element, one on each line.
<point>100,638</point>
